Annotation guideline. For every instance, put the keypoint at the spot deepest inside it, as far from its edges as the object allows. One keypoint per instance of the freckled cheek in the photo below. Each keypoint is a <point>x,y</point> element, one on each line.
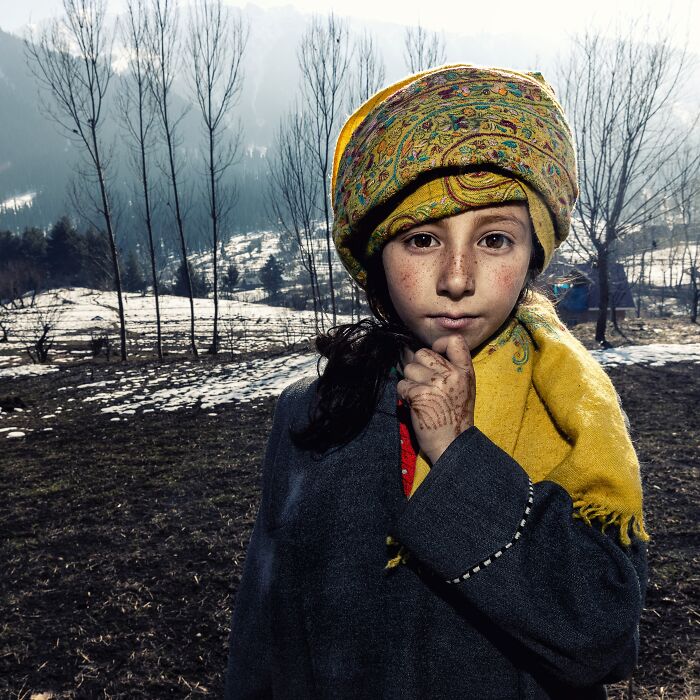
<point>407,281</point>
<point>507,279</point>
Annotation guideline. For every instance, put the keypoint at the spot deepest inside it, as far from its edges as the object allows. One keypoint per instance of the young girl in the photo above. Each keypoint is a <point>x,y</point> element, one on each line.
<point>453,509</point>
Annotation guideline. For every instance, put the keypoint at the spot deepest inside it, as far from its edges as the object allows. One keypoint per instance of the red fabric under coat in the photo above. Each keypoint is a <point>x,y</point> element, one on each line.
<point>409,447</point>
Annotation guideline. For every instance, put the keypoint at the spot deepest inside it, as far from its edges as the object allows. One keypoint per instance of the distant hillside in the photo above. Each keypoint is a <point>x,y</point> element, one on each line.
<point>33,156</point>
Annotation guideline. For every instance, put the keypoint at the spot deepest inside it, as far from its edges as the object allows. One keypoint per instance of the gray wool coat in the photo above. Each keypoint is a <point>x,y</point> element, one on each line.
<point>505,595</point>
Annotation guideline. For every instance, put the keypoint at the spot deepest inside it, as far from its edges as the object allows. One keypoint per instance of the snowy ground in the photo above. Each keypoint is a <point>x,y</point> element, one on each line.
<point>655,355</point>
<point>78,314</point>
<point>190,384</point>
<point>169,387</point>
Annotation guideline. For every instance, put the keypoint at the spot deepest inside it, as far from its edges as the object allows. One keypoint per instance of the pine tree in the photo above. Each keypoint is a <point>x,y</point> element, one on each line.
<point>229,279</point>
<point>200,287</point>
<point>134,278</point>
<point>64,253</point>
<point>271,276</point>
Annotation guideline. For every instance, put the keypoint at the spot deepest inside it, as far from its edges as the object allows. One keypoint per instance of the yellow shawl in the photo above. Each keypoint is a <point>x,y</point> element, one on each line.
<point>543,399</point>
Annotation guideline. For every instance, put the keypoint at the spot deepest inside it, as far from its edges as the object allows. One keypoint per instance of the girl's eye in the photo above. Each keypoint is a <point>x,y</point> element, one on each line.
<point>420,240</point>
<point>496,241</point>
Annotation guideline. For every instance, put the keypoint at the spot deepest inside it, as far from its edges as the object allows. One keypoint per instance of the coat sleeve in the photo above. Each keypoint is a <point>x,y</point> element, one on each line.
<point>568,595</point>
<point>249,663</point>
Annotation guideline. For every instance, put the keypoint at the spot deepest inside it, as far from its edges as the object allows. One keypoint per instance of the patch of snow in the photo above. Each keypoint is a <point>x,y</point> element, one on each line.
<point>22,201</point>
<point>656,355</point>
<point>663,267</point>
<point>176,386</point>
<point>26,371</point>
<point>16,434</point>
<point>193,385</point>
<point>94,384</point>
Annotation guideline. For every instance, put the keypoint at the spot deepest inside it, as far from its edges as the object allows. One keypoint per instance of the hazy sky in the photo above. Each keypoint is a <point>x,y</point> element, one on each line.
<point>504,17</point>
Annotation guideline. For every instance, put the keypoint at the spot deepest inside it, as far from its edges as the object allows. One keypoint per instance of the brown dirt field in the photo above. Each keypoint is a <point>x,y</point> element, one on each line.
<point>123,543</point>
<point>642,331</point>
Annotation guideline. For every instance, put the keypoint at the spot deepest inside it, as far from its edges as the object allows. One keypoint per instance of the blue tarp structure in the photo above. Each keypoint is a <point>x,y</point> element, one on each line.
<point>574,297</point>
<point>581,292</point>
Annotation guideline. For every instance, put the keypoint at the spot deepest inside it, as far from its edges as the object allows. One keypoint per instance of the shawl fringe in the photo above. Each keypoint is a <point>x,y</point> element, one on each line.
<point>588,512</point>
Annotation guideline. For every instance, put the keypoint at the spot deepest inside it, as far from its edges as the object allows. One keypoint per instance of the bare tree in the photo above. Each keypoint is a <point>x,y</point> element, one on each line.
<point>5,323</point>
<point>636,261</point>
<point>71,59</point>
<point>164,52</point>
<point>366,78</point>
<point>685,171</point>
<point>423,49</point>
<point>217,42</point>
<point>40,335</point>
<point>618,93</point>
<point>324,57</point>
<point>294,190</point>
<point>368,73</point>
<point>138,116</point>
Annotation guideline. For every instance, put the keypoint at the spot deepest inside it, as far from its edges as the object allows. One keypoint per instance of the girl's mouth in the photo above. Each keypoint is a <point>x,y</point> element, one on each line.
<point>452,324</point>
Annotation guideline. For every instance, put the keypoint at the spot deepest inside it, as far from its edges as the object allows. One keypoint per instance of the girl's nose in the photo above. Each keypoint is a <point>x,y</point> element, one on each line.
<point>456,275</point>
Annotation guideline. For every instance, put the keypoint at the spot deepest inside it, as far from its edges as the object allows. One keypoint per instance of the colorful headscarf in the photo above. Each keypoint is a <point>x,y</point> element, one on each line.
<point>443,130</point>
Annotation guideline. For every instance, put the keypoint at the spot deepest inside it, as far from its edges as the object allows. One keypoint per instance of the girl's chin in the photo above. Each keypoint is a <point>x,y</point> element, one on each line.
<point>477,333</point>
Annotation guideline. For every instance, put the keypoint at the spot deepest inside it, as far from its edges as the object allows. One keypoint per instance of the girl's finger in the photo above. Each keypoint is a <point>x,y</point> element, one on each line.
<point>404,387</point>
<point>422,374</point>
<point>432,360</point>
<point>457,351</point>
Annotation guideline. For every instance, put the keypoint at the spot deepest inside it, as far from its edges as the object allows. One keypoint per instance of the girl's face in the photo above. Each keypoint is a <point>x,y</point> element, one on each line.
<point>461,274</point>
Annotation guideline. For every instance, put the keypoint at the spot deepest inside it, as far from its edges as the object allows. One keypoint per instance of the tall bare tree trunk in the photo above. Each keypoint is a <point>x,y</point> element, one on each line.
<point>293,197</point>
<point>112,245</point>
<point>638,305</point>
<point>164,46</point>
<point>366,78</point>
<point>603,295</point>
<point>151,252</point>
<point>695,295</point>
<point>71,59</point>
<point>217,42</point>
<point>324,57</point>
<point>135,33</point>
<point>685,169</point>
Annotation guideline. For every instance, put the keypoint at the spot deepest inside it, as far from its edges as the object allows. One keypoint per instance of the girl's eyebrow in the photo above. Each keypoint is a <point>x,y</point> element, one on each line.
<point>480,219</point>
<point>496,218</point>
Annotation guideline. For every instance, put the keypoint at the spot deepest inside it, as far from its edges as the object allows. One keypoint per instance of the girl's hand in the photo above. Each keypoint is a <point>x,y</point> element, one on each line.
<point>440,393</point>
